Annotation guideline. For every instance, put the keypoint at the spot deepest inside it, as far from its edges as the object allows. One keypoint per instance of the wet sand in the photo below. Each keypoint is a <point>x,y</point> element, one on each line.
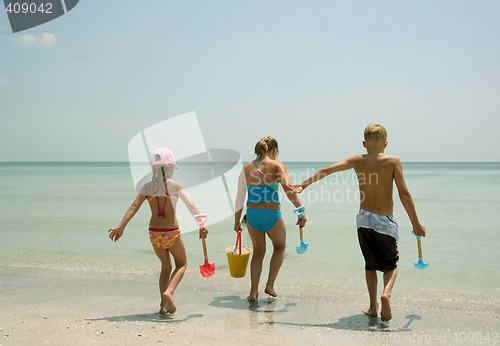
<point>80,309</point>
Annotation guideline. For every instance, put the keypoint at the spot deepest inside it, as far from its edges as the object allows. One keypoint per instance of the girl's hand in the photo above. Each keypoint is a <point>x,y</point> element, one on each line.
<point>237,226</point>
<point>203,232</point>
<point>302,221</point>
<point>115,233</point>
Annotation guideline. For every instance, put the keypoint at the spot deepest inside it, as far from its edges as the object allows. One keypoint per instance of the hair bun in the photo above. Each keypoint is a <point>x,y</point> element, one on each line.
<point>265,145</point>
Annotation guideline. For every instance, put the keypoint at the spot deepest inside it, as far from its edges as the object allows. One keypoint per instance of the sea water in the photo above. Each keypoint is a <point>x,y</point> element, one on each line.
<point>55,217</point>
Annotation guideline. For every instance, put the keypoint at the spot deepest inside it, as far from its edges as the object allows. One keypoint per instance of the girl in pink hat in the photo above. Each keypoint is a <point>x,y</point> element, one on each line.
<point>162,194</point>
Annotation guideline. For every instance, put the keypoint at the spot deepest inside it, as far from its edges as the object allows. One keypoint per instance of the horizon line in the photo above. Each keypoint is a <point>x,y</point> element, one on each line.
<point>180,161</point>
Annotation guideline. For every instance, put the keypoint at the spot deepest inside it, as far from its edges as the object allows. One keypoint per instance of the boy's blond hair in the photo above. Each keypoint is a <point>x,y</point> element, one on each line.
<point>376,131</point>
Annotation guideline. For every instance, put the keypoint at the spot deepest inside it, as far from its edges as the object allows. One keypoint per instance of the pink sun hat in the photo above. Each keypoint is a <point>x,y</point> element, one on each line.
<point>163,156</point>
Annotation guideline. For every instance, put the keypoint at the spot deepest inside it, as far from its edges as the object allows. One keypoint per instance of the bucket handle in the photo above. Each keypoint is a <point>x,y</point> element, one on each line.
<point>238,240</point>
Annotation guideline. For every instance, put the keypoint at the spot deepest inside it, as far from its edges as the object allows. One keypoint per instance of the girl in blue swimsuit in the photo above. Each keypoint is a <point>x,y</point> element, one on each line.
<point>261,179</point>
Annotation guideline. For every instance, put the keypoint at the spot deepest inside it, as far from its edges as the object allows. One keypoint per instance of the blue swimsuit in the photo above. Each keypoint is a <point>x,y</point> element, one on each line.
<point>258,218</point>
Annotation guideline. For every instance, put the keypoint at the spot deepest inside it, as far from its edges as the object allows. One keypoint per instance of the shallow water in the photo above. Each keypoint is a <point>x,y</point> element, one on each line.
<point>55,216</point>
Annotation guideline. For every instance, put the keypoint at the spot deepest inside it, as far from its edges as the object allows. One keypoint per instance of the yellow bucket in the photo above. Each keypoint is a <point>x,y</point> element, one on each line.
<point>238,263</point>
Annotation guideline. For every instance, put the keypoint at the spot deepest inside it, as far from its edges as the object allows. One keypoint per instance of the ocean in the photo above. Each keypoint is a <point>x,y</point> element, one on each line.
<point>54,217</point>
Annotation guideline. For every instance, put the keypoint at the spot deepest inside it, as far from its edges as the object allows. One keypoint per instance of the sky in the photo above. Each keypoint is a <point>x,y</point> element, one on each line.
<point>313,74</point>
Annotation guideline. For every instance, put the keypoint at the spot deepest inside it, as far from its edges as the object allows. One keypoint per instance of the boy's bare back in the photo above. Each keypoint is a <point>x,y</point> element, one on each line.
<point>376,173</point>
<point>375,176</point>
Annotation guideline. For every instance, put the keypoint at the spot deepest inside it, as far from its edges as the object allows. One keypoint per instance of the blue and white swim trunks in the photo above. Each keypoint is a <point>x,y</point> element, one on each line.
<point>378,238</point>
<point>384,224</point>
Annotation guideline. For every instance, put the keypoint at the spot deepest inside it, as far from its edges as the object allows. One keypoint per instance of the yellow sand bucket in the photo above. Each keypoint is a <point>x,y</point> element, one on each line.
<point>237,258</point>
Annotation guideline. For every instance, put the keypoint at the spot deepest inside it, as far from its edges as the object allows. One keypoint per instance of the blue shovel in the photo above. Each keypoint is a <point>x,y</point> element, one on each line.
<point>303,246</point>
<point>420,264</point>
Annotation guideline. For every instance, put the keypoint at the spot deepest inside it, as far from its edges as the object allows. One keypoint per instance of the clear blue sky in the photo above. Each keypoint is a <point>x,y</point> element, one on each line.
<point>312,74</point>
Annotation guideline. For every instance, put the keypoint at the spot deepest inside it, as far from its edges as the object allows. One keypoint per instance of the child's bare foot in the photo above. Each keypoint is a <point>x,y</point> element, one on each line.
<point>385,312</point>
<point>163,309</point>
<point>270,291</point>
<point>372,311</point>
<point>253,297</point>
<point>169,306</point>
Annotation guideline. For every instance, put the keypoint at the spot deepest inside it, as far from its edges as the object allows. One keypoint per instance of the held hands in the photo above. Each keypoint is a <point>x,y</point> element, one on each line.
<point>297,188</point>
<point>115,233</point>
<point>419,230</point>
<point>203,232</point>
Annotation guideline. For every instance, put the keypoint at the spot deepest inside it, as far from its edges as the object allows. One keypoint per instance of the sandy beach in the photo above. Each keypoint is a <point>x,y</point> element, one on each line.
<point>53,307</point>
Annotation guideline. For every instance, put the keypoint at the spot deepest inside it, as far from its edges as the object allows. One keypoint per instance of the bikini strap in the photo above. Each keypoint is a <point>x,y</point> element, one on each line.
<point>265,175</point>
<point>257,170</point>
<point>162,212</point>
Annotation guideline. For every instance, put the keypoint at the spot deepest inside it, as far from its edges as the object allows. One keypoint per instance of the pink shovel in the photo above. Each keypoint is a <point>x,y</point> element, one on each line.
<point>207,269</point>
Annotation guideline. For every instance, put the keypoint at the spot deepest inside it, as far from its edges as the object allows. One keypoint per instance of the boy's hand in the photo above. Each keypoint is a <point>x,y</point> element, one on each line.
<point>237,226</point>
<point>297,188</point>
<point>115,233</point>
<point>203,232</point>
<point>419,230</point>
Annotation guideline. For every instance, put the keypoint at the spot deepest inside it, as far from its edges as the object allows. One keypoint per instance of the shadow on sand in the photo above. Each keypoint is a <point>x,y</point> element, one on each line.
<point>359,322</point>
<point>152,317</point>
<point>235,302</point>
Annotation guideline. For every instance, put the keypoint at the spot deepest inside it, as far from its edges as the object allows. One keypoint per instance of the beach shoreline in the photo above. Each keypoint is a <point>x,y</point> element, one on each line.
<point>85,308</point>
<point>62,281</point>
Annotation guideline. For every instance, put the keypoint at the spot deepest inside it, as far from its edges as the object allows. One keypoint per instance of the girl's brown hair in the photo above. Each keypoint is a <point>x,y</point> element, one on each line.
<point>265,145</point>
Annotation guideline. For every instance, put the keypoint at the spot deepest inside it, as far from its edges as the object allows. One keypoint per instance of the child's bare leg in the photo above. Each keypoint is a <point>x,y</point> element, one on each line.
<point>278,237</point>
<point>371,284</point>
<point>259,251</point>
<point>389,280</point>
<point>166,268</point>
<point>178,251</point>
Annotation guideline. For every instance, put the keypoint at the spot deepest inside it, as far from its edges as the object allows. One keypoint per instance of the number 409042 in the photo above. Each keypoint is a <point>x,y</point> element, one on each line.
<point>26,7</point>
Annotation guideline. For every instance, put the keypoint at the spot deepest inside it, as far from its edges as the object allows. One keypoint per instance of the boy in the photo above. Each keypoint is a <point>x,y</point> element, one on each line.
<point>377,230</point>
